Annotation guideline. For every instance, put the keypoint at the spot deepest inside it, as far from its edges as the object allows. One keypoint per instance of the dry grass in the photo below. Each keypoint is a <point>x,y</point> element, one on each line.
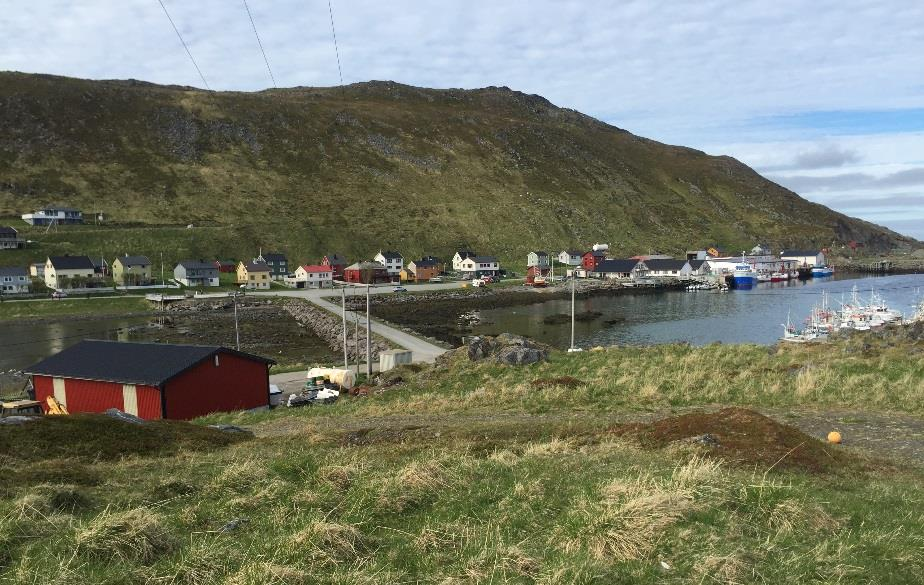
<point>330,542</point>
<point>136,534</point>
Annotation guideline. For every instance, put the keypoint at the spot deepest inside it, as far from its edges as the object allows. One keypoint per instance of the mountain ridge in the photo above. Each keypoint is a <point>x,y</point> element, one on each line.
<point>383,164</point>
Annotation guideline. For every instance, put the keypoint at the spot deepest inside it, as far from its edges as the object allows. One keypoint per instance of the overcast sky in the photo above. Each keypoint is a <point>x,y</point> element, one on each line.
<point>824,97</point>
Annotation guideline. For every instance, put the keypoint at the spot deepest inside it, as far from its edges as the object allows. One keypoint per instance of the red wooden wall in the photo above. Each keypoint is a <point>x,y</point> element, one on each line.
<point>93,396</point>
<point>237,383</point>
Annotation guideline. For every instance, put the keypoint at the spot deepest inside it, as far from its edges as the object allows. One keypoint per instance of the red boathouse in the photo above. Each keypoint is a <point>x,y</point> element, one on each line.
<point>152,380</point>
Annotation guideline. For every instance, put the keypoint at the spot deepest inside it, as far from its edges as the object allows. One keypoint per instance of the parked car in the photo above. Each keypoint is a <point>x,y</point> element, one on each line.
<point>399,289</point>
<point>436,279</point>
<point>58,294</point>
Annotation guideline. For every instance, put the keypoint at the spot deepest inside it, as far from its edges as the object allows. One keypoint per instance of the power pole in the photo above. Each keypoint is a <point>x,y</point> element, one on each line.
<point>346,361</point>
<point>368,336</point>
<point>237,333</point>
<point>356,339</point>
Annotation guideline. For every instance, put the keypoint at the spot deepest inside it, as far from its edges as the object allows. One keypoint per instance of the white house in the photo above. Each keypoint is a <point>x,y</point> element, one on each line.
<point>478,266</point>
<point>14,280</point>
<point>460,256</point>
<point>53,215</point>
<point>393,262</point>
<point>804,257</point>
<point>63,270</point>
<point>539,259</point>
<point>312,276</point>
<point>570,257</point>
<point>667,268</point>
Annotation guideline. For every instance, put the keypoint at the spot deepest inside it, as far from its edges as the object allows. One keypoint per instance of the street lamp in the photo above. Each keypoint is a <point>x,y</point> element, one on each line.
<point>237,333</point>
<point>572,349</point>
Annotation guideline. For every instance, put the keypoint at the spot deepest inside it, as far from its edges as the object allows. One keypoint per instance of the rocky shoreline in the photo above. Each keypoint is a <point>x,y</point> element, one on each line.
<point>329,327</point>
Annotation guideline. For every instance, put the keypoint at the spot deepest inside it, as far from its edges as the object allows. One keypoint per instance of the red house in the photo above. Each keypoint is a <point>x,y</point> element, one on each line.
<point>337,265</point>
<point>366,273</point>
<point>152,380</point>
<point>590,260</point>
<point>226,265</point>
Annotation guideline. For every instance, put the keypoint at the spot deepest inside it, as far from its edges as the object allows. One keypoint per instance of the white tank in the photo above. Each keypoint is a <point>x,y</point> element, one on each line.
<point>601,247</point>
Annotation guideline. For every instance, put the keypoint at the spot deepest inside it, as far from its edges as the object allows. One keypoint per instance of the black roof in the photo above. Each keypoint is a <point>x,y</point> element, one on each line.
<point>133,260</point>
<point>424,262</point>
<point>798,253</point>
<point>196,265</point>
<point>597,253</point>
<point>665,264</point>
<point>695,264</point>
<point>71,262</point>
<point>7,230</point>
<point>13,271</point>
<point>256,267</point>
<point>432,259</point>
<point>274,257</point>
<point>484,259</point>
<point>540,253</point>
<point>150,364</point>
<point>465,253</point>
<point>335,259</point>
<point>390,255</point>
<point>617,266</point>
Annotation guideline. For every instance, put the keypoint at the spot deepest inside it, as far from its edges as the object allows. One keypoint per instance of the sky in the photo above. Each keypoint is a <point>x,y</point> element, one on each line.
<point>824,97</point>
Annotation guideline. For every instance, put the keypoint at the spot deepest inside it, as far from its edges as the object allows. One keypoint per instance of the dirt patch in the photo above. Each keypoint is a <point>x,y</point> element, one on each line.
<point>746,437</point>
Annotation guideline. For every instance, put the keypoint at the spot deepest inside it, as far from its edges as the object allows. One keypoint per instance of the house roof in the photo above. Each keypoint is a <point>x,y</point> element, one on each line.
<point>465,253</point>
<point>274,257</point>
<point>13,271</point>
<point>150,364</point>
<point>798,253</point>
<point>665,264</point>
<point>315,268</point>
<point>335,259</point>
<point>695,264</point>
<point>484,259</point>
<point>616,266</point>
<point>196,265</point>
<point>7,230</point>
<point>256,267</point>
<point>58,208</point>
<point>424,263</point>
<point>539,253</point>
<point>390,255</point>
<point>596,253</point>
<point>434,259</point>
<point>366,265</point>
<point>133,260</point>
<point>71,262</point>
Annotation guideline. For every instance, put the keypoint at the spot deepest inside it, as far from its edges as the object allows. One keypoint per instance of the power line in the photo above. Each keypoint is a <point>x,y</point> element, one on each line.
<point>259,42</point>
<point>333,33</point>
<point>188,52</point>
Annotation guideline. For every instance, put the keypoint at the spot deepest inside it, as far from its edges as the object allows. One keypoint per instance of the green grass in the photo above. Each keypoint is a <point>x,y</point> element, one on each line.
<point>49,308</point>
<point>467,473</point>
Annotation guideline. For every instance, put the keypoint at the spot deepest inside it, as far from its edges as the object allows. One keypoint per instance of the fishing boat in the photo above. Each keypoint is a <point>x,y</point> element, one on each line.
<point>778,277</point>
<point>540,282</point>
<point>763,276</point>
<point>804,272</point>
<point>813,331</point>
<point>744,275</point>
<point>822,271</point>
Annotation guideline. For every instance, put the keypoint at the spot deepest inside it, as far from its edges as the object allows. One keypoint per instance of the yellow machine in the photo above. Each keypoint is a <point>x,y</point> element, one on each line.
<point>55,407</point>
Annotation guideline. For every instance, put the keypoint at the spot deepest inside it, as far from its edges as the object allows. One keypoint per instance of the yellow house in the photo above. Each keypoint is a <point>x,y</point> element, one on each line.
<point>132,270</point>
<point>254,275</point>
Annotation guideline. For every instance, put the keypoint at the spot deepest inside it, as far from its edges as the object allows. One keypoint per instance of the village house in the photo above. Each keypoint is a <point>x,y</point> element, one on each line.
<point>437,262</point>
<point>153,380</point>
<point>392,261</point>
<point>132,270</point>
<point>312,276</point>
<point>52,215</point>
<point>459,257</point>
<point>696,268</point>
<point>254,275</point>
<point>277,263</point>
<point>590,260</point>
<point>226,266</point>
<point>421,270</point>
<point>366,272</point>
<point>480,266</point>
<point>619,269</point>
<point>9,238</point>
<point>14,280</point>
<point>539,259</point>
<point>666,267</point>
<point>337,265</point>
<point>808,258</point>
<point>69,272</point>
<point>37,270</point>
<point>196,273</point>
<point>570,257</point>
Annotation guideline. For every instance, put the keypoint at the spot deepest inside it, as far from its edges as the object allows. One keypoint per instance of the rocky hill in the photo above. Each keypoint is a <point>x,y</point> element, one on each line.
<point>381,164</point>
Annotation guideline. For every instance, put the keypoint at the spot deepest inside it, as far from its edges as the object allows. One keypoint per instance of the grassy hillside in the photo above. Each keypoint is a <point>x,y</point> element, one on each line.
<point>373,165</point>
<point>476,473</point>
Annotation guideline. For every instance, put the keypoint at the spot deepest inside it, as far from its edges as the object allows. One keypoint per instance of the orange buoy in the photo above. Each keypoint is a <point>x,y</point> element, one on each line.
<point>834,437</point>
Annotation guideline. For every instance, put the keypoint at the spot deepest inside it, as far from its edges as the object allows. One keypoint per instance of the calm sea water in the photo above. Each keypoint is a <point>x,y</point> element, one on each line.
<point>698,317</point>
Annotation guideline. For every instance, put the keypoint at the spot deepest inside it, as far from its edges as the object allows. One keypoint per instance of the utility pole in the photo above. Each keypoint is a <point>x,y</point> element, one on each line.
<point>356,339</point>
<point>237,333</point>
<point>162,281</point>
<point>346,361</point>
<point>368,335</point>
<point>572,348</point>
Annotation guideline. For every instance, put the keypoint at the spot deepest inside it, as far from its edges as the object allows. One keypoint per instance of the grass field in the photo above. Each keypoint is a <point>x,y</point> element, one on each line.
<point>476,473</point>
<point>95,306</point>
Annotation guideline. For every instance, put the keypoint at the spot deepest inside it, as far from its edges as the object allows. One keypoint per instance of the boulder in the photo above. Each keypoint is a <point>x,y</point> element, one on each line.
<point>124,416</point>
<point>16,420</point>
<point>519,356</point>
<point>508,349</point>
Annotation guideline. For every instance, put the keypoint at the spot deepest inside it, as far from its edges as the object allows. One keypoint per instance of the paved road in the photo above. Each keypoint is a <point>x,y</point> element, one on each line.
<point>328,299</point>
